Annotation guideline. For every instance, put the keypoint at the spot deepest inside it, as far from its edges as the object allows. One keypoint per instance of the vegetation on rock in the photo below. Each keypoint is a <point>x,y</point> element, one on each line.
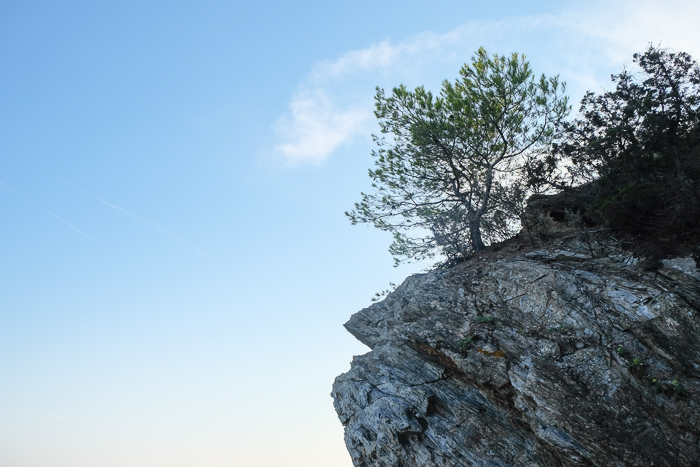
<point>451,174</point>
<point>453,171</point>
<point>640,144</point>
<point>567,351</point>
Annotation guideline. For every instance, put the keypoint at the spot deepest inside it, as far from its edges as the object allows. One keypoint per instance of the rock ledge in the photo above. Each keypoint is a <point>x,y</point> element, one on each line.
<point>568,355</point>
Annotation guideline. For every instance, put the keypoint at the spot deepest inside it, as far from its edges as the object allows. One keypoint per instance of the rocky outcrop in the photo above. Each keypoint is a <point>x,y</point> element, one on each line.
<point>570,354</point>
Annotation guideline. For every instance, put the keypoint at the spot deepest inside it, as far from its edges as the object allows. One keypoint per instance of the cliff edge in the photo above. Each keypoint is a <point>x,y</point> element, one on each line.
<point>566,353</point>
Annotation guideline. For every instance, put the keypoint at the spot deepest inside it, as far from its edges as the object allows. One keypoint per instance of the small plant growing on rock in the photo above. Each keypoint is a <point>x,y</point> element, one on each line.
<point>484,319</point>
<point>635,363</point>
<point>465,343</point>
<point>380,295</point>
<point>667,387</point>
<point>677,388</point>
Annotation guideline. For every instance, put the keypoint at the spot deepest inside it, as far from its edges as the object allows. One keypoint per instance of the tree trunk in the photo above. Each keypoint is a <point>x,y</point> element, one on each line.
<point>475,235</point>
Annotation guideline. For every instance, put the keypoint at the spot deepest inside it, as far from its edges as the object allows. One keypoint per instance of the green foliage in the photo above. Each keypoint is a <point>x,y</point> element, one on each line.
<point>669,387</point>
<point>465,343</point>
<point>380,295</point>
<point>641,143</point>
<point>451,171</point>
<point>635,363</point>
<point>664,386</point>
<point>676,387</point>
<point>484,319</point>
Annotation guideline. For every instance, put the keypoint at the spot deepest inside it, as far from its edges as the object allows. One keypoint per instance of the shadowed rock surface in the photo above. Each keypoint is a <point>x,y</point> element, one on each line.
<point>570,354</point>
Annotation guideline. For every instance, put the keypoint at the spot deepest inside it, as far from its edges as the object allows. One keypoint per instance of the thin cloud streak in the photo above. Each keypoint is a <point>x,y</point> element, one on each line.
<point>52,214</point>
<point>152,224</point>
<point>332,105</point>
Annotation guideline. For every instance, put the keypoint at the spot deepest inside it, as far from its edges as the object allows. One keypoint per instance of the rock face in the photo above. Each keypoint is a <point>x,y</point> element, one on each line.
<point>570,354</point>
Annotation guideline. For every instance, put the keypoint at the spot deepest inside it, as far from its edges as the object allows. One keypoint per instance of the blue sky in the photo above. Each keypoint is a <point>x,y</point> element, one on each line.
<point>175,263</point>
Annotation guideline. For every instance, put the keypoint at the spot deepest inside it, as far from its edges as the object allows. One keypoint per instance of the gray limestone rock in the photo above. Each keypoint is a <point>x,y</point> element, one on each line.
<point>569,355</point>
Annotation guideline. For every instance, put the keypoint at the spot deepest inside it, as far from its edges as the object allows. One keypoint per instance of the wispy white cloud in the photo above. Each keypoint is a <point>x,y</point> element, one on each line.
<point>317,126</point>
<point>52,214</point>
<point>623,26</point>
<point>334,102</point>
<point>152,224</point>
<point>584,44</point>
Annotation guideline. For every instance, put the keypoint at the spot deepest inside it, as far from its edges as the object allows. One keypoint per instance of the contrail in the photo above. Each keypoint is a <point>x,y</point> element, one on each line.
<point>55,216</point>
<point>8,188</point>
<point>158,227</point>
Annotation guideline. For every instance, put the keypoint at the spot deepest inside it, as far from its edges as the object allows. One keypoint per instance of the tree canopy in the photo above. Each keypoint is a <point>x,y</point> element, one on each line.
<point>451,171</point>
<point>641,145</point>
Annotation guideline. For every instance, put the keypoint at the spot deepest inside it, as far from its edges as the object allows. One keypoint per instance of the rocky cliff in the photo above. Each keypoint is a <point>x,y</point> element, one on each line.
<point>564,353</point>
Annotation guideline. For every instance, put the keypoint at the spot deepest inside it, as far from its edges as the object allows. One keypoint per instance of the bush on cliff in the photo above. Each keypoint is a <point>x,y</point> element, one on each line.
<point>641,145</point>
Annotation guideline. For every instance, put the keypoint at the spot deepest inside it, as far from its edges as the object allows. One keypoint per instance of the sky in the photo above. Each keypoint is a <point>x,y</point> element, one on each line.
<point>176,266</point>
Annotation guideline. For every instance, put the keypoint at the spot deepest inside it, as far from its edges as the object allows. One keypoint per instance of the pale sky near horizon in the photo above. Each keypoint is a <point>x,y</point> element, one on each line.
<point>176,265</point>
